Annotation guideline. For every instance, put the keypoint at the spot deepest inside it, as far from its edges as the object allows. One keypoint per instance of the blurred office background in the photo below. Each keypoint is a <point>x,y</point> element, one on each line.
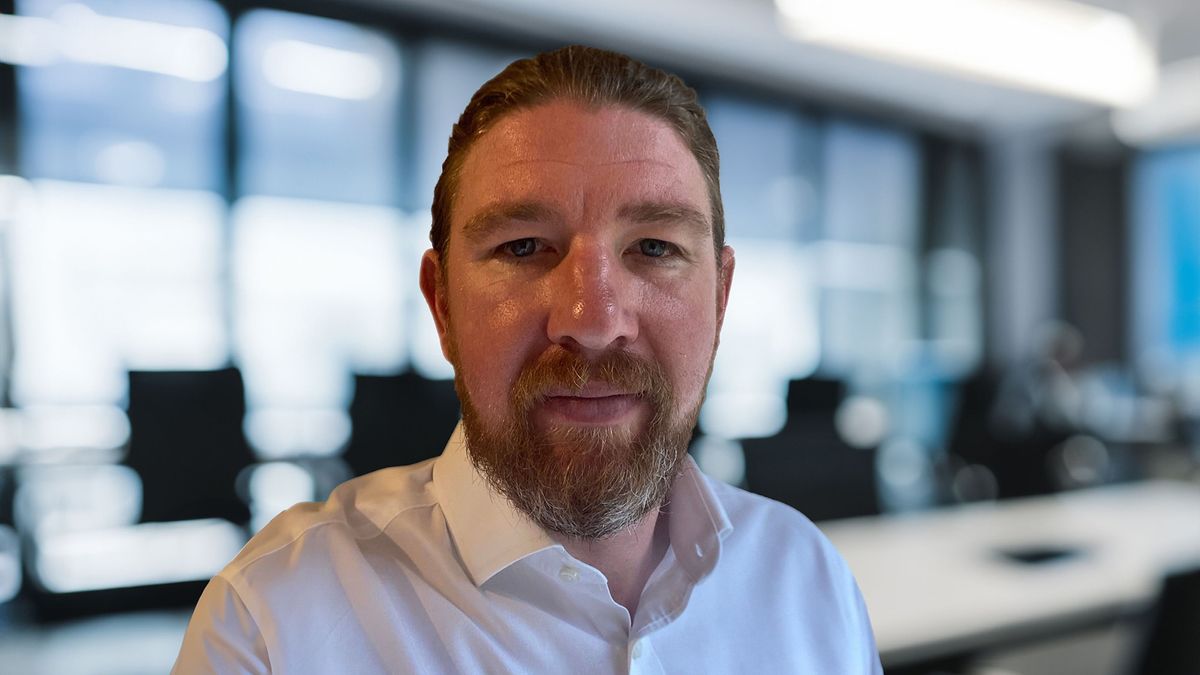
<point>968,239</point>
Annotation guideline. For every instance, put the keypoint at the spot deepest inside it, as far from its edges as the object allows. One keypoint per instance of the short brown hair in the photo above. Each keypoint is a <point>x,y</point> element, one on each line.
<point>592,77</point>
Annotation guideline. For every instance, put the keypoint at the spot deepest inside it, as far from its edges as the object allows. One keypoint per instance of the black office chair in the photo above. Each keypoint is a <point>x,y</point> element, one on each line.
<point>813,396</point>
<point>1170,644</point>
<point>187,445</point>
<point>398,420</point>
<point>807,465</point>
<point>982,433</point>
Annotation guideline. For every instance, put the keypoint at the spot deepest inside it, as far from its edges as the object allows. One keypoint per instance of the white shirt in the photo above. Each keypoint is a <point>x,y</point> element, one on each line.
<point>424,569</point>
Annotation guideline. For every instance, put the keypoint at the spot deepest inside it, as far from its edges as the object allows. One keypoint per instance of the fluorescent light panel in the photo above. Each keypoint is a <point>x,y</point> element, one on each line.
<point>1053,46</point>
<point>26,40</point>
<point>76,32</point>
<point>1172,115</point>
<point>324,71</point>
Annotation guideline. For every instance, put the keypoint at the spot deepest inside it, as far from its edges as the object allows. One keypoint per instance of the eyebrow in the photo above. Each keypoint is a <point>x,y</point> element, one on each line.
<point>478,225</point>
<point>642,213</point>
<point>666,213</point>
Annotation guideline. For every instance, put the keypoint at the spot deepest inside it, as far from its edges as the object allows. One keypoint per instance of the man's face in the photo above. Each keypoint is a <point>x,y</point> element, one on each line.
<point>580,302</point>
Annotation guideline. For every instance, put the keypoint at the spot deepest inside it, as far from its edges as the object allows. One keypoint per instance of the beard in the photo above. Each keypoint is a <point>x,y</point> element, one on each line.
<point>585,483</point>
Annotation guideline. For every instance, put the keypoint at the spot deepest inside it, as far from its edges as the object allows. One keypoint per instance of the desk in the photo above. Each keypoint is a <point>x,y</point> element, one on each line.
<point>935,584</point>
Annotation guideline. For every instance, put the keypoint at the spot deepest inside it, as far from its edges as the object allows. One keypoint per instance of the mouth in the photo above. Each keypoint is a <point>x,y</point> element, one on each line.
<point>594,405</point>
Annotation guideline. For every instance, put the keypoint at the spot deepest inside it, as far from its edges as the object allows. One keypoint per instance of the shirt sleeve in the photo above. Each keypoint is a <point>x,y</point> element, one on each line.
<point>222,636</point>
<point>873,665</point>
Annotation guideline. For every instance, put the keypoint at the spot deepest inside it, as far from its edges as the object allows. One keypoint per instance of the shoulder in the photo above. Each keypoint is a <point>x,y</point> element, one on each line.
<point>784,558</point>
<point>776,535</point>
<point>753,513</point>
<point>320,554</point>
<point>358,510</point>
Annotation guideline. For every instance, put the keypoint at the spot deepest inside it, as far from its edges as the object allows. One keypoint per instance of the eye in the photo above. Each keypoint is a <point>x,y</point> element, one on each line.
<point>520,248</point>
<point>655,248</point>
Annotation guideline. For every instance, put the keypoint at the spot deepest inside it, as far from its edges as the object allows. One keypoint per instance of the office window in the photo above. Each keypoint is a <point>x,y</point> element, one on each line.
<point>107,279</point>
<point>952,289</point>
<point>317,109</point>
<point>1165,330</point>
<point>130,92</point>
<point>318,296</point>
<point>15,197</point>
<point>319,269</point>
<point>116,264</point>
<point>771,209</point>
<point>867,255</point>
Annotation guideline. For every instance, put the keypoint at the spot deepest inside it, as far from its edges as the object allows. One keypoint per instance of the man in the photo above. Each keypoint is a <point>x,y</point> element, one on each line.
<point>578,280</point>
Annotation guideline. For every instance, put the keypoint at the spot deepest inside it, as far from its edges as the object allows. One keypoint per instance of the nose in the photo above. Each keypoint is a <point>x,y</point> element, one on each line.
<point>591,301</point>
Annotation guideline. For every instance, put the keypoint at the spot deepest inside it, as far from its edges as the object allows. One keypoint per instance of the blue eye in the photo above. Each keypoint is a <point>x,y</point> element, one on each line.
<point>521,248</point>
<point>654,248</point>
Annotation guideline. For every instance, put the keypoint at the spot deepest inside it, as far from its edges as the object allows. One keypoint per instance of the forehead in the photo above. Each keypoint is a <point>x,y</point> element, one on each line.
<point>580,157</point>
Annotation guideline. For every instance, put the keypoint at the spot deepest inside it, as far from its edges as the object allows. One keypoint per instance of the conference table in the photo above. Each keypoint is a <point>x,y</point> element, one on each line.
<point>958,580</point>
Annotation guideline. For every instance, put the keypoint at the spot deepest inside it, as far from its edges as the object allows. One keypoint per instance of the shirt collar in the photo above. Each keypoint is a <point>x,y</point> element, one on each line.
<point>491,534</point>
<point>488,530</point>
<point>698,522</point>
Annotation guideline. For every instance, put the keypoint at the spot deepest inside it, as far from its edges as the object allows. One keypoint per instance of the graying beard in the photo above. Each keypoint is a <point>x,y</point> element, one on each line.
<point>558,499</point>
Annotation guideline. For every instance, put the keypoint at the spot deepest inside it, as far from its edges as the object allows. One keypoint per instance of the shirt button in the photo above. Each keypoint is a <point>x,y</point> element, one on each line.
<point>637,650</point>
<point>568,573</point>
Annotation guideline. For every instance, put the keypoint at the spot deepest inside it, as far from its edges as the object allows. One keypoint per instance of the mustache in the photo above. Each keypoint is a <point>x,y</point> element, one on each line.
<point>558,369</point>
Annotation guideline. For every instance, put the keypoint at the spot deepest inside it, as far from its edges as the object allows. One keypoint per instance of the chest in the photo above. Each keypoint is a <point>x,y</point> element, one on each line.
<point>535,622</point>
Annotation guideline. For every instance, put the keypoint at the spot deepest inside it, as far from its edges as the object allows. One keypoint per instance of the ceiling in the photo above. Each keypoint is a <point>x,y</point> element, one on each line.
<point>743,40</point>
<point>1173,24</point>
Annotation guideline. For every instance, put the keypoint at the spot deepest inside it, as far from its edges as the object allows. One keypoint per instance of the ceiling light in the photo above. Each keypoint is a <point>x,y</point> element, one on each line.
<point>1171,115</point>
<point>325,71</point>
<point>1053,46</point>
<point>77,33</point>
<point>26,40</point>
<point>185,52</point>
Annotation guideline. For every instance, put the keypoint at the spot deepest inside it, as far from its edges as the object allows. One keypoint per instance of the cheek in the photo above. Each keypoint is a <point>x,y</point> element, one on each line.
<point>489,315</point>
<point>683,328</point>
<point>494,334</point>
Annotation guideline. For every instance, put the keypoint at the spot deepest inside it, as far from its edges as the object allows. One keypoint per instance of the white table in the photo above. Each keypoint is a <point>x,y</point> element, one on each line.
<point>935,584</point>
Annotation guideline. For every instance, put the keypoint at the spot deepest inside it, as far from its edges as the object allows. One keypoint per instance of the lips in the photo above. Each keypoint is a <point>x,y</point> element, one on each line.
<point>594,405</point>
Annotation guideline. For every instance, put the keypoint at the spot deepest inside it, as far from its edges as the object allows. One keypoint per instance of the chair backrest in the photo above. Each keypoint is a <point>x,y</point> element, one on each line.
<point>398,420</point>
<point>1171,642</point>
<point>813,395</point>
<point>813,471</point>
<point>807,465</point>
<point>1018,457</point>
<point>187,444</point>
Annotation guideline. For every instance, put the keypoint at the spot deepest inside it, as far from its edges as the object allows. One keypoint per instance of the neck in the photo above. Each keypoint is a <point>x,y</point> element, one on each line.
<point>628,558</point>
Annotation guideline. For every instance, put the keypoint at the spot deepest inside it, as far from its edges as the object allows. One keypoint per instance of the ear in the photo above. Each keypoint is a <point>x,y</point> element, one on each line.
<point>724,281</point>
<point>433,288</point>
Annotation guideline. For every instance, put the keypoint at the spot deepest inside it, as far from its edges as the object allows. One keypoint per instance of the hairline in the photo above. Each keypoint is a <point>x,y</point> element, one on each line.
<point>592,103</point>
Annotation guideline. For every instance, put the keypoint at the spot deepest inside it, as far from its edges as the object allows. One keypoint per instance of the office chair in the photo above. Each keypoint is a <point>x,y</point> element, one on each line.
<point>807,465</point>
<point>982,433</point>
<point>398,420</point>
<point>187,445</point>
<point>1170,644</point>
